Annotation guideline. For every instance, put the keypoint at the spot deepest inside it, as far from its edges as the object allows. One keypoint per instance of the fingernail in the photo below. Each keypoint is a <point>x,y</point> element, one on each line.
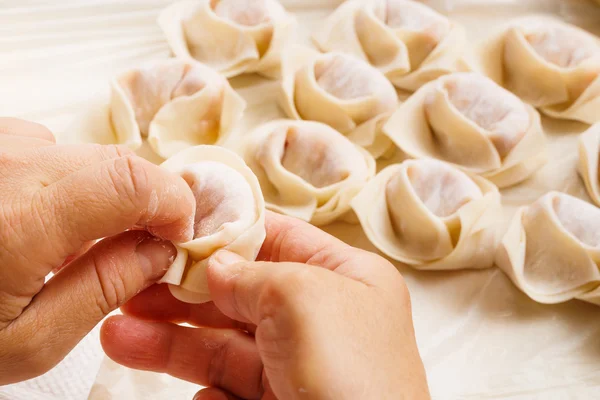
<point>225,258</point>
<point>155,256</point>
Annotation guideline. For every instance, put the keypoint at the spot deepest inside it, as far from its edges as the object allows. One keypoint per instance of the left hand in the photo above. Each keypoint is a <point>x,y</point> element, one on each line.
<point>56,201</point>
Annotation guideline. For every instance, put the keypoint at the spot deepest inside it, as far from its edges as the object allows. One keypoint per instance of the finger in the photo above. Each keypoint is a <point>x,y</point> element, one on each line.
<point>158,304</point>
<point>81,295</point>
<point>14,132</point>
<point>110,197</point>
<point>293,240</point>
<point>56,162</point>
<point>239,287</point>
<point>226,359</point>
<point>215,394</point>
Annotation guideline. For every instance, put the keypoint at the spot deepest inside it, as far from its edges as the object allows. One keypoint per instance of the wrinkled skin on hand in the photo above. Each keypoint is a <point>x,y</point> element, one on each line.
<point>313,319</point>
<point>57,201</point>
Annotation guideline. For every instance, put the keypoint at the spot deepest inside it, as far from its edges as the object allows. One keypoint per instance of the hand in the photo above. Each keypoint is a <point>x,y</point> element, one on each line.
<point>56,201</point>
<point>315,319</point>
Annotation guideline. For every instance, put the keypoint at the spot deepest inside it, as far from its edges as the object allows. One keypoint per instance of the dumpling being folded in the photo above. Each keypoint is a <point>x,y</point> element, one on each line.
<point>407,41</point>
<point>468,120</point>
<point>231,36</point>
<point>551,250</point>
<point>550,64</point>
<point>230,214</point>
<point>430,215</point>
<point>307,169</point>
<point>175,104</point>
<point>341,91</point>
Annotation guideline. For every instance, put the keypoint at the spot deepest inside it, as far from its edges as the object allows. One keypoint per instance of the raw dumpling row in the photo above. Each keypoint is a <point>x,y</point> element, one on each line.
<point>467,134</point>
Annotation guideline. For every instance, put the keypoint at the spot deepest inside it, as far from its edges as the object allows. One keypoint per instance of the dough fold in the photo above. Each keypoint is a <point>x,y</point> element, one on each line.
<point>551,250</point>
<point>551,65</point>
<point>469,121</point>
<point>430,215</point>
<point>231,36</point>
<point>407,41</point>
<point>307,169</point>
<point>341,91</point>
<point>230,214</point>
<point>175,104</point>
<point>589,149</point>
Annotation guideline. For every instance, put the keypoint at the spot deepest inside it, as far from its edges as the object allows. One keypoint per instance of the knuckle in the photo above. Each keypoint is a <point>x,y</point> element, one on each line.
<point>222,352</point>
<point>109,289</point>
<point>128,177</point>
<point>283,290</point>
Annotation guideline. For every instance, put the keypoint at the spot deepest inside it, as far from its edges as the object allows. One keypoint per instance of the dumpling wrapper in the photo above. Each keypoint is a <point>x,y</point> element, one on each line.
<point>230,214</point>
<point>551,250</point>
<point>550,64</point>
<point>175,104</point>
<point>407,41</point>
<point>231,36</point>
<point>430,215</point>
<point>589,162</point>
<point>307,169</point>
<point>469,121</point>
<point>341,91</point>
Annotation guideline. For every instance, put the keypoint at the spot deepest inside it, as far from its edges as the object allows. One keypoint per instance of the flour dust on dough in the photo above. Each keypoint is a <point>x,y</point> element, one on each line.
<point>307,169</point>
<point>406,40</point>
<point>431,215</point>
<point>175,104</point>
<point>231,36</point>
<point>341,91</point>
<point>550,64</point>
<point>551,250</point>
<point>468,120</point>
<point>230,214</point>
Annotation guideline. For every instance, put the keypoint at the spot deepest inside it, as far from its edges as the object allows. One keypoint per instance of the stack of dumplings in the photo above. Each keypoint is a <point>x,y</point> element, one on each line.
<point>469,121</point>
<point>231,36</point>
<point>407,41</point>
<point>175,104</point>
<point>550,64</point>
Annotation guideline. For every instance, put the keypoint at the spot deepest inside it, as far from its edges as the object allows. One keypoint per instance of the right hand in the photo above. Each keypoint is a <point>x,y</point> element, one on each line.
<point>317,319</point>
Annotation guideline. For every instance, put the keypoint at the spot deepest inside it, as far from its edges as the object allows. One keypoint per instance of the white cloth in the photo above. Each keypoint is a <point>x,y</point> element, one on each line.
<point>72,379</point>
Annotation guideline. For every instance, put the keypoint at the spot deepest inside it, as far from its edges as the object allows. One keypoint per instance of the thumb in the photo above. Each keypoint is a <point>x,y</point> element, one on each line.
<point>84,292</point>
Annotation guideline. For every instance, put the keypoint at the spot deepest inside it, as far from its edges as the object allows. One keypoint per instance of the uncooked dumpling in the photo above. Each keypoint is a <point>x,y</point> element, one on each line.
<point>230,214</point>
<point>407,41</point>
<point>550,64</point>
<point>589,161</point>
<point>430,215</point>
<point>231,36</point>
<point>307,169</point>
<point>341,91</point>
<point>468,120</point>
<point>551,250</point>
<point>174,104</point>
